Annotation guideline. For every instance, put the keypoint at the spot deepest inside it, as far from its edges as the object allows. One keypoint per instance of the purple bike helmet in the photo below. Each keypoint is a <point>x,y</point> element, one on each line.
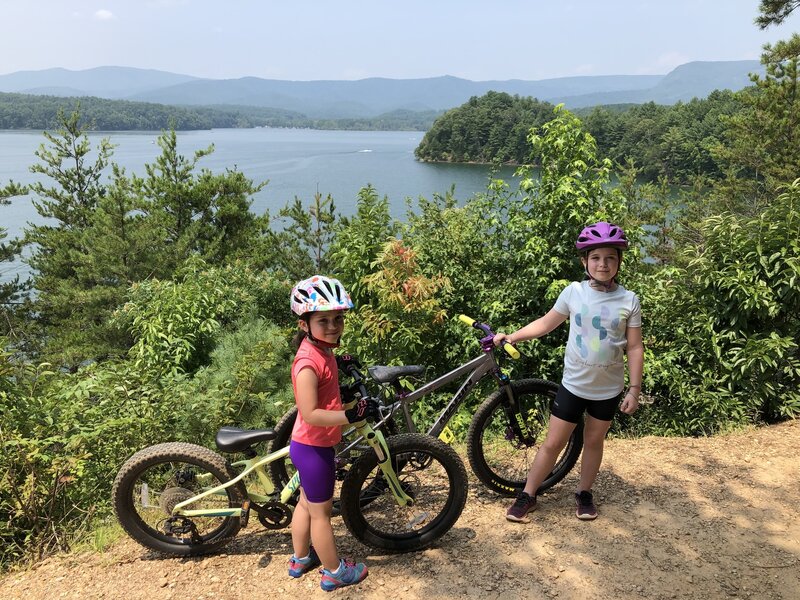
<point>601,234</point>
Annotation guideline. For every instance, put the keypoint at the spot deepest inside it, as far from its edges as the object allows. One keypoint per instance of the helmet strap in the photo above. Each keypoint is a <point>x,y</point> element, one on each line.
<point>607,285</point>
<point>324,344</point>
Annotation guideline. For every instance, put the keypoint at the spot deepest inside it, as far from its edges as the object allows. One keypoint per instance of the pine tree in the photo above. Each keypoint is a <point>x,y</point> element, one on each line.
<point>10,289</point>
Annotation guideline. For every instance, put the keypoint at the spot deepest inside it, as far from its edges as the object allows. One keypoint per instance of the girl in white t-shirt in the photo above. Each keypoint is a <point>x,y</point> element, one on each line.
<point>605,324</point>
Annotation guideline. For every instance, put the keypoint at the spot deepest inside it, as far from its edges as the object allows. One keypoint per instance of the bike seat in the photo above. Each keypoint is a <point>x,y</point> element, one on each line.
<point>234,439</point>
<point>391,374</point>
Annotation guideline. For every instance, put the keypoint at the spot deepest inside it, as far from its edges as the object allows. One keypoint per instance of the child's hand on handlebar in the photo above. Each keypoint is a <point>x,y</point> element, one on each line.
<point>363,409</point>
<point>500,338</point>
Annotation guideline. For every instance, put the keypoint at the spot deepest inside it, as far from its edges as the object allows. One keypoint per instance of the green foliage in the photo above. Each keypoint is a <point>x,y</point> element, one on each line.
<point>175,324</point>
<point>723,327</point>
<point>192,213</point>
<point>66,307</point>
<point>396,327</point>
<point>760,151</point>
<point>774,12</point>
<point>247,382</point>
<point>358,242</point>
<point>62,438</point>
<point>299,248</point>
<point>10,289</point>
<point>28,111</point>
<point>674,142</point>
<point>486,129</point>
<point>104,233</point>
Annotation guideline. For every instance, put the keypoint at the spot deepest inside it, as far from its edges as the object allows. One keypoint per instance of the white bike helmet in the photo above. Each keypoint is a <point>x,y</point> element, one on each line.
<point>319,293</point>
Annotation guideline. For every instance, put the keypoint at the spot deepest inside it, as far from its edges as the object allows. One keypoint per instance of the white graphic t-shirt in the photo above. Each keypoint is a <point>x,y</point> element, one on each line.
<point>594,366</point>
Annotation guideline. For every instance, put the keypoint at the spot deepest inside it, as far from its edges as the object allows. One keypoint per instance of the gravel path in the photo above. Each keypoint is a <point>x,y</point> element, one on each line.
<point>679,518</point>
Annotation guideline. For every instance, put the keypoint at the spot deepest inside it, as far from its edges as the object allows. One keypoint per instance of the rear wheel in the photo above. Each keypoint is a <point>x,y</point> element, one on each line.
<point>282,470</point>
<point>499,457</point>
<point>154,480</point>
<point>429,471</point>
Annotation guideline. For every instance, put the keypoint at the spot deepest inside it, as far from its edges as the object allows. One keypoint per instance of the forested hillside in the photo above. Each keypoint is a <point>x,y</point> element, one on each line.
<point>25,111</point>
<point>371,97</point>
<point>677,142</point>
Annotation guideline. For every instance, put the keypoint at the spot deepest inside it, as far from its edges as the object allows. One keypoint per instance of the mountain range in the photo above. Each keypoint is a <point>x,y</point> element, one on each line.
<point>374,96</point>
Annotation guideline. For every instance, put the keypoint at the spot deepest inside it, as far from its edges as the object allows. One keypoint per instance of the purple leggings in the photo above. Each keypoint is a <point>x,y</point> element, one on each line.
<point>317,470</point>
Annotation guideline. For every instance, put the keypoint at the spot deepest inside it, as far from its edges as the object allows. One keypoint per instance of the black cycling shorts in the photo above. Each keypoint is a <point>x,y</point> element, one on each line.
<point>569,407</point>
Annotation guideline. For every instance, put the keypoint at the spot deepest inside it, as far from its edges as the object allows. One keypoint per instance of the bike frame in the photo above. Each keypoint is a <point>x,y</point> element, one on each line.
<point>374,438</point>
<point>473,372</point>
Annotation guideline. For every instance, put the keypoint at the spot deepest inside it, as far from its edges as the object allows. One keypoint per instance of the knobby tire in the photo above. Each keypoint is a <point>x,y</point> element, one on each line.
<point>147,486</point>
<point>501,461</point>
<point>429,470</point>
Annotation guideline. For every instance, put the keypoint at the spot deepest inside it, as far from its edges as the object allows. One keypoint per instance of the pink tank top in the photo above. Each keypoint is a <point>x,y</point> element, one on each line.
<point>323,363</point>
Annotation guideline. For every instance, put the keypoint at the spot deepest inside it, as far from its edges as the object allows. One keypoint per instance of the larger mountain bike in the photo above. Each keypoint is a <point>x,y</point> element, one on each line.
<point>504,434</point>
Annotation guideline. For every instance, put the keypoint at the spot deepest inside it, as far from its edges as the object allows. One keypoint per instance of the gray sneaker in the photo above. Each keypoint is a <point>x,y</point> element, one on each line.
<point>524,504</point>
<point>585,508</point>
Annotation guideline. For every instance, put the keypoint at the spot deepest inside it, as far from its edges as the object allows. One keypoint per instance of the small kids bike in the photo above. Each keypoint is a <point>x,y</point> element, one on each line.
<point>183,499</point>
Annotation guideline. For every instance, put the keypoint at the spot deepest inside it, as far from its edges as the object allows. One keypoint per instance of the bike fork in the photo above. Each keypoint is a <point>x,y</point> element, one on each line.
<point>517,427</point>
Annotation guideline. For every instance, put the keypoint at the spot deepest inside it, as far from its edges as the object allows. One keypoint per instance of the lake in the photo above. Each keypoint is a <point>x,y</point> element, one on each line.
<point>296,162</point>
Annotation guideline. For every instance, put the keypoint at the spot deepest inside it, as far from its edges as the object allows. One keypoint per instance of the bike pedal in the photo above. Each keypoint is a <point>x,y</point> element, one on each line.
<point>245,516</point>
<point>447,435</point>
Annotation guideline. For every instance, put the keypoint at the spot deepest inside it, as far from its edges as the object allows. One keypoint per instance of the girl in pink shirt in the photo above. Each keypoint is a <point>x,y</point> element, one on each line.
<point>320,303</point>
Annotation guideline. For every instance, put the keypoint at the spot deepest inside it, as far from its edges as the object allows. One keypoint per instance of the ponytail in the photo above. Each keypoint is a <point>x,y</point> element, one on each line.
<point>298,338</point>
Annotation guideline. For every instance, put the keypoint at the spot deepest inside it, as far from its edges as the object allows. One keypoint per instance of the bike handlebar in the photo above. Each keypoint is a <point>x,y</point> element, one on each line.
<point>510,350</point>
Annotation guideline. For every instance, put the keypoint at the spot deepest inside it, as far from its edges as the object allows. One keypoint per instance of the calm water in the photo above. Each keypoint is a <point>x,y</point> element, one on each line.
<point>296,162</point>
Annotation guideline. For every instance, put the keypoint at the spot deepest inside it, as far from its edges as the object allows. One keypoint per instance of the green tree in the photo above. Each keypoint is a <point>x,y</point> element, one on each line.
<point>11,288</point>
<point>107,232</point>
<point>298,248</point>
<point>358,242</point>
<point>65,313</point>
<point>487,129</point>
<point>761,150</point>
<point>775,12</point>
<point>175,323</point>
<point>723,325</point>
<point>396,328</point>
<point>192,213</point>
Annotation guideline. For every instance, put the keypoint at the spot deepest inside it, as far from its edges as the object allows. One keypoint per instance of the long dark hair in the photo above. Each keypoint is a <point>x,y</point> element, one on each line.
<point>300,335</point>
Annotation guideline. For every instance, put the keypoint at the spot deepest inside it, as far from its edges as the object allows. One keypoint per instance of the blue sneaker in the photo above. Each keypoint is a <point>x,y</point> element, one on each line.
<point>300,566</point>
<point>349,574</point>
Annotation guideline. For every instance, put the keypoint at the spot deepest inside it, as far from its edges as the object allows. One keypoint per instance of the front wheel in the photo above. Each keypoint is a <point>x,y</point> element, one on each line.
<point>154,480</point>
<point>499,458</point>
<point>429,471</point>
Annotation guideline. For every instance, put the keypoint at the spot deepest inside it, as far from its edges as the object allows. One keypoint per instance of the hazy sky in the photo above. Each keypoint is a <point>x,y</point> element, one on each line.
<point>354,39</point>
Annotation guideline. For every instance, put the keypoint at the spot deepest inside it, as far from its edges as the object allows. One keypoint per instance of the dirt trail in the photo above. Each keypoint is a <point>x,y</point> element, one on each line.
<point>679,518</point>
